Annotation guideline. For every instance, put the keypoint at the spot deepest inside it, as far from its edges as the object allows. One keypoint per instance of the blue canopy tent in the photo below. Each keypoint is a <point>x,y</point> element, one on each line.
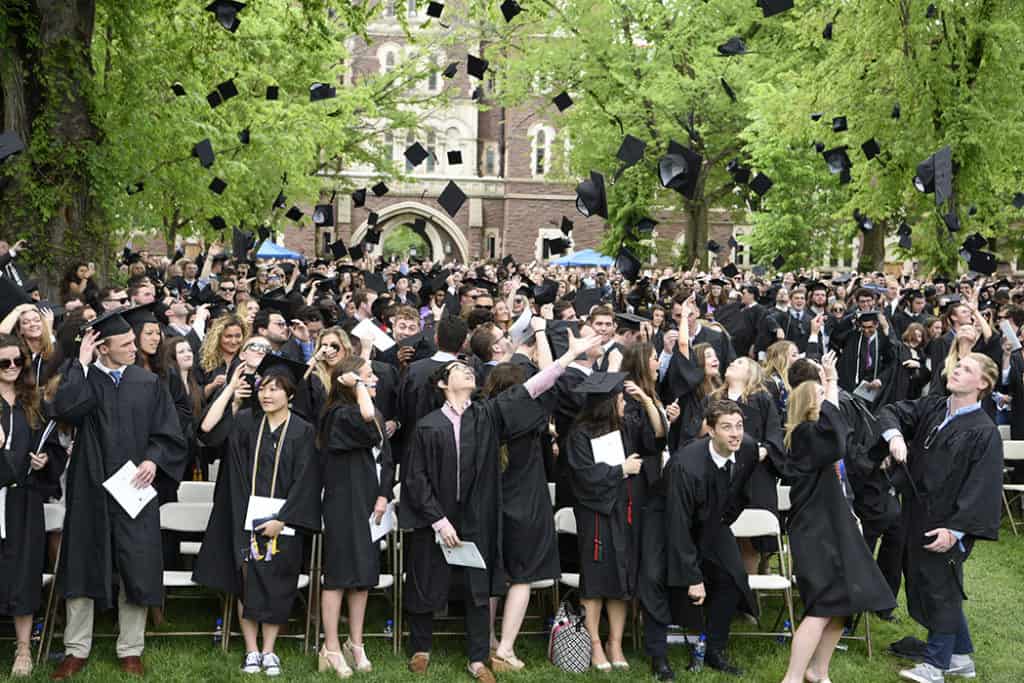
<point>585,257</point>
<point>270,250</point>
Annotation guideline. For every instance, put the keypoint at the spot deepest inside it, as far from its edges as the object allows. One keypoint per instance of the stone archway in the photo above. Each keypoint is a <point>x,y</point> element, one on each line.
<point>437,222</point>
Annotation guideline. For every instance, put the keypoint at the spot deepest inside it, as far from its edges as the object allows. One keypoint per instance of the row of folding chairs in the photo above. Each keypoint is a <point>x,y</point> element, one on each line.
<point>1013,452</point>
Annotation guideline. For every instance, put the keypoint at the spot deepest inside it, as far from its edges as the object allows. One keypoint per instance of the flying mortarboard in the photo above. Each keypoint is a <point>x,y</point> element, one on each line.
<point>372,218</point>
<point>272,92</point>
<point>241,242</point>
<point>827,33</point>
<point>628,264</point>
<point>379,190</point>
<point>562,101</point>
<point>355,252</point>
<point>244,136</point>
<point>975,242</point>
<point>730,270</point>
<point>264,232</point>
<point>359,197</point>
<point>585,300</point>
<point>321,91</point>
<point>454,157</point>
<point>545,293</point>
<point>769,8</point>
<point>510,9</point>
<point>178,89</point>
<point>375,282</point>
<point>740,174</point>
<point>906,241</point>
<point>566,226</point>
<point>631,151</point>
<point>294,214</point>
<point>713,247</point>
<point>217,186</point>
<point>837,159</point>
<point>372,236</point>
<point>280,201</point>
<point>10,144</point>
<point>476,66</point>
<point>204,151</point>
<point>416,154</point>
<point>839,124</point>
<point>1018,199</point>
<point>778,262</point>
<point>323,215</point>
<point>227,90</point>
<point>226,12</point>
<point>816,116</point>
<point>435,9</point>
<point>733,47</point>
<point>451,198</point>
<point>761,184</point>
<point>602,384</point>
<point>218,223</point>
<point>982,262</point>
<point>135,188</point>
<point>555,247</point>
<point>591,199</point>
<point>646,225</point>
<point>679,169</point>
<point>451,70</point>
<point>871,149</point>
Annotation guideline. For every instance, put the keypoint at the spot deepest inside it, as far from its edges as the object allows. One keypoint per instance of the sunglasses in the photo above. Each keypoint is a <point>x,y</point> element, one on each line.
<point>258,348</point>
<point>122,300</point>
<point>227,289</point>
<point>336,347</point>
<point>8,363</point>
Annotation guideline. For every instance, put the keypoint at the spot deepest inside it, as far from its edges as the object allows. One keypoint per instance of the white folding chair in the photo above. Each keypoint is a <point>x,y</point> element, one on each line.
<point>53,516</point>
<point>1004,432</point>
<point>212,469</point>
<point>551,492</point>
<point>565,523</point>
<point>753,523</point>
<point>1013,451</point>
<point>196,491</point>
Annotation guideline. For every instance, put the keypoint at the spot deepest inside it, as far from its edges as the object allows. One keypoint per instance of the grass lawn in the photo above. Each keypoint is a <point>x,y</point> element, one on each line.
<point>994,582</point>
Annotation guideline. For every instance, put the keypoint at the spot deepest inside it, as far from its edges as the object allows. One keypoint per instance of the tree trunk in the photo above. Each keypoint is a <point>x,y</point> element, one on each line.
<point>872,255</point>
<point>696,225</point>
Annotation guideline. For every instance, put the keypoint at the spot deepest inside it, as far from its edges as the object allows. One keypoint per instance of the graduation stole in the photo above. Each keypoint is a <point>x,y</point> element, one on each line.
<point>254,547</point>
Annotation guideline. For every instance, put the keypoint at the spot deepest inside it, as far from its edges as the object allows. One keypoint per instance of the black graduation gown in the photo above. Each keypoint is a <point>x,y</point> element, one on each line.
<point>700,508</point>
<point>351,488</point>
<point>416,398</point>
<point>906,383</point>
<point>386,398</point>
<point>957,485</point>
<point>681,381</point>
<point>270,587</point>
<point>608,512</point>
<point>464,485</point>
<point>720,343</point>
<point>737,323</point>
<point>133,421</point>
<point>835,571</point>
<point>852,364</point>
<point>566,405</point>
<point>1014,388</point>
<point>23,552</point>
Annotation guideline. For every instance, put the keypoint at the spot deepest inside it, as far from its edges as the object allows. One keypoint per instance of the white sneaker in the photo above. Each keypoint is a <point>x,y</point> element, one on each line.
<point>923,673</point>
<point>962,666</point>
<point>271,664</point>
<point>252,663</point>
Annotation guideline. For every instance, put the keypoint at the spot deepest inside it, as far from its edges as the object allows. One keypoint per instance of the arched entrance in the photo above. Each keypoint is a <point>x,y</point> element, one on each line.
<point>440,229</point>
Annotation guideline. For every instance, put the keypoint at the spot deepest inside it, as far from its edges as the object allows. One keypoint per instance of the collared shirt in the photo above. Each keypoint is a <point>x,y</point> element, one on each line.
<point>718,459</point>
<point>587,372</point>
<point>104,369</point>
<point>443,357</point>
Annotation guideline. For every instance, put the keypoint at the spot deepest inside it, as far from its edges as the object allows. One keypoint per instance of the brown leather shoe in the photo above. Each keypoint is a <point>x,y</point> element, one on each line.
<point>419,662</point>
<point>132,665</point>
<point>68,668</point>
<point>483,674</point>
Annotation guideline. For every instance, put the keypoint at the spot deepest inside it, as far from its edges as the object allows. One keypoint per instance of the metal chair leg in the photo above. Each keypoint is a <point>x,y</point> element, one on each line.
<point>50,615</point>
<point>1009,513</point>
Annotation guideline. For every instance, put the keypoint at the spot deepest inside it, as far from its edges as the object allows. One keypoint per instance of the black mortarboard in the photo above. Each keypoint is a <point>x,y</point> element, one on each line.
<point>217,186</point>
<point>11,296</point>
<point>244,136</point>
<point>585,300</point>
<point>294,214</point>
<point>931,11</point>
<point>286,307</point>
<point>602,383</point>
<point>728,89</point>
<point>178,89</point>
<point>732,47</point>
<point>272,365</point>
<point>214,99</point>
<point>952,220</point>
<point>815,286</point>
<point>545,293</point>
<point>982,262</point>
<point>452,198</point>
<point>416,154</point>
<point>355,252</point>
<point>895,111</point>
<point>10,144</point>
<point>629,321</point>
<point>419,226</point>
<point>591,199</point>
<point>135,188</point>
<point>137,316</point>
<point>375,282</point>
<point>321,91</point>
<point>713,246</point>
<point>769,8</point>
<point>562,101</point>
<point>556,247</point>
<point>646,225</point>
<point>226,12</point>
<point>379,190</point>
<point>372,236</point>
<point>280,201</point>
<point>451,70</point>
<point>679,169</point>
<point>871,149</point>
<point>761,184</point>
<point>372,218</point>
<point>227,90</point>
<point>1018,199</point>
<point>628,264</point>
<point>566,226</point>
<point>454,157</point>
<point>110,324</point>
<point>975,242</point>
<point>476,66</point>
<point>863,222</point>
<point>837,159</point>
<point>510,9</point>
<point>323,215</point>
<point>906,242</point>
<point>740,173</point>
<point>839,124</point>
<point>778,262</point>
<point>218,223</point>
<point>819,147</point>
<point>816,116</point>
<point>730,270</point>
<point>272,92</point>
<point>241,242</point>
<point>338,249</point>
<point>717,282</point>
<point>435,9</point>
<point>631,151</point>
<point>827,33</point>
<point>204,150</point>
<point>264,232</point>
<point>359,197</point>
<point>868,317</point>
<point>478,93</point>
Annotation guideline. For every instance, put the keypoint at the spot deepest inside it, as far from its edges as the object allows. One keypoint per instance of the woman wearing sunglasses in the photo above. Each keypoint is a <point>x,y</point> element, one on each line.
<point>29,476</point>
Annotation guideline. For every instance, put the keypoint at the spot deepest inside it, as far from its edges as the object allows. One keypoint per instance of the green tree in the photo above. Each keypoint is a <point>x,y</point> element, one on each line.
<point>400,241</point>
<point>956,80</point>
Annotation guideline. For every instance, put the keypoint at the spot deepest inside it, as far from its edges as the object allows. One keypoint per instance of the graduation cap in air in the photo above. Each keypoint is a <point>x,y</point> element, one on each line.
<point>375,282</point>
<point>217,186</point>
<point>451,198</point>
<point>816,116</point>
<point>713,247</point>
<point>733,47</point>
<point>837,159</point>
<point>585,300</point>
<point>819,146</point>
<point>871,149</point>
<point>359,197</point>
<point>924,179</point>
<point>778,262</point>
<point>110,324</point>
<point>321,91</point>
<point>740,174</point>
<point>227,90</point>
<point>769,8</point>
<point>545,293</point>
<point>631,151</point>
<point>730,270</point>
<point>416,154</point>
<point>931,12</point>
<point>510,9</point>
<point>839,124</point>
<point>733,243</point>
<point>355,252</point>
<point>241,242</point>
<point>272,92</point>
<point>895,111</point>
<point>204,151</point>
<point>419,226</point>
<point>244,136</point>
<point>279,201</point>
<point>602,384</point>
<point>728,89</point>
<point>827,33</point>
<point>277,366</point>
<point>323,215</point>
<point>982,262</point>
<point>628,264</point>
<point>294,214</point>
<point>264,233</point>
<point>454,157</point>
<point>372,236</point>
<point>178,89</point>
<point>476,66</point>
<point>646,225</point>
<point>11,296</point>
<point>562,101</point>
<point>555,247</point>
<point>862,221</point>
<point>218,223</point>
<point>1018,199</point>
<point>451,70</point>
<point>435,9</point>
<point>380,189</point>
<point>566,226</point>
<point>226,12</point>
<point>135,188</point>
<point>679,169</point>
<point>975,242</point>
<point>338,249</point>
<point>372,219</point>
<point>761,184</point>
<point>591,199</point>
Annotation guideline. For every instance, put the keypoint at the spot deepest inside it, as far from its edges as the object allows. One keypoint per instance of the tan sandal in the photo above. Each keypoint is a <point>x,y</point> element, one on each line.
<point>500,664</point>
<point>22,667</point>
<point>356,657</point>
<point>325,663</point>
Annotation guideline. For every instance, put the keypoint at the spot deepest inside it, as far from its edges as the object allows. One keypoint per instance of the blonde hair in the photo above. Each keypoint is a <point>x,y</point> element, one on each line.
<point>802,407</point>
<point>12,325</point>
<point>210,357</point>
<point>321,369</point>
<point>953,357</point>
<point>755,380</point>
<point>989,370</point>
<point>777,360</point>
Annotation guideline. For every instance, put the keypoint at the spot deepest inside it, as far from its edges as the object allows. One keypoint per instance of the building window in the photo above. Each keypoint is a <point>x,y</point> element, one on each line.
<point>540,152</point>
<point>491,160</point>
<point>432,81</point>
<point>452,142</point>
<point>492,247</point>
<point>389,8</point>
<point>411,5</point>
<point>409,139</point>
<point>432,151</point>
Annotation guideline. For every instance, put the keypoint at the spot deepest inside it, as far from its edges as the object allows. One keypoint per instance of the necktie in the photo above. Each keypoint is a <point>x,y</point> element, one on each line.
<point>728,470</point>
<point>868,360</point>
<point>116,376</point>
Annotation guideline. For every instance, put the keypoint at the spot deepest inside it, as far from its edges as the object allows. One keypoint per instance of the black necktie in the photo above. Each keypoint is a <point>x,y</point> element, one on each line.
<point>728,470</point>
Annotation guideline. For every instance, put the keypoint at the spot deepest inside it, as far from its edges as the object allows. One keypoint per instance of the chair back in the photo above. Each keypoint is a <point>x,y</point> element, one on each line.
<point>565,521</point>
<point>753,522</point>
<point>785,504</point>
<point>1013,450</point>
<point>185,517</point>
<point>196,491</point>
<point>53,513</point>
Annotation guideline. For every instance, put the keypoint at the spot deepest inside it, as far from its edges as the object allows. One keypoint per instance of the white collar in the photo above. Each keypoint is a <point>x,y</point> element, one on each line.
<point>106,371</point>
<point>443,356</point>
<point>582,368</point>
<point>717,459</point>
<point>696,331</point>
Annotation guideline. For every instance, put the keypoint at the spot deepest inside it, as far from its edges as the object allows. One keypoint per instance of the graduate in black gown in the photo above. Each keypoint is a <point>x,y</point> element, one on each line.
<point>955,463</point>
<point>701,567</point>
<point>451,491</point>
<point>358,476</point>
<point>29,476</point>
<point>123,414</point>
<point>835,572</point>
<point>270,453</point>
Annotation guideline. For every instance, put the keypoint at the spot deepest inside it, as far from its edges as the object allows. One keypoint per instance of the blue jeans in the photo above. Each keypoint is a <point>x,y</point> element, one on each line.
<point>942,646</point>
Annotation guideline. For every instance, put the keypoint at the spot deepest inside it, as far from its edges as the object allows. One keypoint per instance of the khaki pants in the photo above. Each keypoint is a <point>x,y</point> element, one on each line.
<point>131,623</point>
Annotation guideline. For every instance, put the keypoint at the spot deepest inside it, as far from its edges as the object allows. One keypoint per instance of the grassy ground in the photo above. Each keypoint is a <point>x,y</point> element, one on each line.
<point>994,580</point>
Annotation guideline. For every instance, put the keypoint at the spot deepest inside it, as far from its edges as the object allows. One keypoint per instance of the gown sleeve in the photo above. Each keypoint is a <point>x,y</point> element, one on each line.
<point>418,493</point>
<point>75,396</point>
<point>978,509</point>
<point>823,442</point>
<point>903,416</point>
<point>166,447</point>
<point>595,484</point>
<point>681,501</point>
<point>682,377</point>
<point>350,432</point>
<point>302,506</point>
